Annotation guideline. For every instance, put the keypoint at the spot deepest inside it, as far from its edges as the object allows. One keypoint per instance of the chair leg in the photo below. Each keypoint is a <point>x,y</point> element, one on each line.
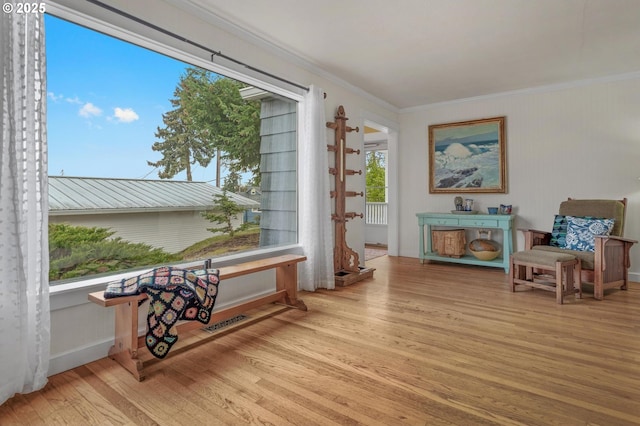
<point>625,278</point>
<point>577,278</point>
<point>569,280</point>
<point>512,273</point>
<point>598,287</point>
<point>559,286</point>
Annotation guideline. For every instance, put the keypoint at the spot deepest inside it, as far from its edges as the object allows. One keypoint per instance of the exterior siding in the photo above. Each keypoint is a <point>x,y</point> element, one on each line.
<point>279,219</point>
<point>170,231</point>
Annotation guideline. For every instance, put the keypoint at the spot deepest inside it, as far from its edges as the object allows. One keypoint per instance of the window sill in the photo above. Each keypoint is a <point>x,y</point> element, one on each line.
<point>75,293</point>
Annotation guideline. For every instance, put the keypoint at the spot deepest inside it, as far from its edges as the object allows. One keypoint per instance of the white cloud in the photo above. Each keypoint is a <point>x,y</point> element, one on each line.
<point>126,115</point>
<point>89,110</point>
<point>74,100</point>
<point>54,97</point>
<point>60,97</point>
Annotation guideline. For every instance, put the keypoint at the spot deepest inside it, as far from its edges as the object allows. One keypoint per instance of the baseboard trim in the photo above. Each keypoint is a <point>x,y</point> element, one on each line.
<point>79,356</point>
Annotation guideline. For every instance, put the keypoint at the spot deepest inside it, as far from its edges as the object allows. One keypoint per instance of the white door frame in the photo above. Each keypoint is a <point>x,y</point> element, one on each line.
<point>391,129</point>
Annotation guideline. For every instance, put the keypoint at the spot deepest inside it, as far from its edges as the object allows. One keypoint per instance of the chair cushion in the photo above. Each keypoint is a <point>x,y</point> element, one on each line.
<point>581,232</point>
<point>587,258</point>
<point>610,209</point>
<point>542,258</point>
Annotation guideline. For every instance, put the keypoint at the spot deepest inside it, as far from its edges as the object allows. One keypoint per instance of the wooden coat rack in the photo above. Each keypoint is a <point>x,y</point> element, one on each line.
<point>346,261</point>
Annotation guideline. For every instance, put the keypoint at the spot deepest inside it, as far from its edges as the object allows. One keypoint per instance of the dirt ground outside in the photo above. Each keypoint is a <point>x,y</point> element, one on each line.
<point>232,245</point>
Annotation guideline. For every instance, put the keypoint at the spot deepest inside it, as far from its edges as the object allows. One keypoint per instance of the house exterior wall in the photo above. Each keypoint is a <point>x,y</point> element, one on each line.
<point>278,219</point>
<point>170,231</point>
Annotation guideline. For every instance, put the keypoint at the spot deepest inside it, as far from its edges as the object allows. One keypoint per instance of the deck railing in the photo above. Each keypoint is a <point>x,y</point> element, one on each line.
<point>376,213</point>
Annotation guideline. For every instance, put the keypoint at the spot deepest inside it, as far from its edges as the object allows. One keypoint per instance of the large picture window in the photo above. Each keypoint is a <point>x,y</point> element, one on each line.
<point>155,161</point>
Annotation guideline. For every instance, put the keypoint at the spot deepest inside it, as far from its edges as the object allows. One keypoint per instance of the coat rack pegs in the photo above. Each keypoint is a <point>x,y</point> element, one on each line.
<point>333,194</point>
<point>346,261</point>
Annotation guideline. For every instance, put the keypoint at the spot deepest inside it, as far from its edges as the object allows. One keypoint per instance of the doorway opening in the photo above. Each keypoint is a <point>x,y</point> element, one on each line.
<point>377,190</point>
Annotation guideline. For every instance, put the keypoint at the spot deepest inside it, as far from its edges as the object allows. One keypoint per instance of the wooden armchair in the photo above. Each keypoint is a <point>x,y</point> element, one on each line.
<point>605,267</point>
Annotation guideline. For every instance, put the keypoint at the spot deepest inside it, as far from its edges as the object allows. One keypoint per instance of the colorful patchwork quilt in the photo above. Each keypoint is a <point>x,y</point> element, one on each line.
<point>175,294</point>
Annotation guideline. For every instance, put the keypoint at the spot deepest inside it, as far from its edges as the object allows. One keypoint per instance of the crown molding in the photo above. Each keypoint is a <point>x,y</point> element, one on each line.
<point>262,42</point>
<point>530,90</point>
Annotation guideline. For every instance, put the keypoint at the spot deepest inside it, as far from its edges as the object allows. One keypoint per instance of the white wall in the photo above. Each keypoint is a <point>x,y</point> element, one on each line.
<point>581,141</point>
<point>376,234</point>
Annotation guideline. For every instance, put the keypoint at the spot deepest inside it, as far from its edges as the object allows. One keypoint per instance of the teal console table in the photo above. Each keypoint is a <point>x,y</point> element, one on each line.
<point>452,220</point>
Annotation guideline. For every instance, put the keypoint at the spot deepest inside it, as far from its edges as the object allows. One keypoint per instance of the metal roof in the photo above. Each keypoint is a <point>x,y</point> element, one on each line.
<point>84,195</point>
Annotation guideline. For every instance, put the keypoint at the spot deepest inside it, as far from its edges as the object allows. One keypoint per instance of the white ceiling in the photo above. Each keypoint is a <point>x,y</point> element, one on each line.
<point>416,52</point>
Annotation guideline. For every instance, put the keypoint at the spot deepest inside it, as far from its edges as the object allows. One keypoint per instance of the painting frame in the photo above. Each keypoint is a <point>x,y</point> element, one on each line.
<point>459,144</point>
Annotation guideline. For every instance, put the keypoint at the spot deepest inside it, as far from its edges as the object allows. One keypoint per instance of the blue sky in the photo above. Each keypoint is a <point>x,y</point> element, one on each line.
<point>105,100</point>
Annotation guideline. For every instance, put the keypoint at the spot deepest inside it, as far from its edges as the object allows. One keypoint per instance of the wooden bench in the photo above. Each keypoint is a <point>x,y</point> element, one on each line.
<point>127,342</point>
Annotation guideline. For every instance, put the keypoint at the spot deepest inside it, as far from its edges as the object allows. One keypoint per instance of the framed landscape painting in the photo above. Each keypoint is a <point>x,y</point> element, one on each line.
<point>467,157</point>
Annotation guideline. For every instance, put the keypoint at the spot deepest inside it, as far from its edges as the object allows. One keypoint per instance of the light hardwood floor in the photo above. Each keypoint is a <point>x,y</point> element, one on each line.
<point>431,344</point>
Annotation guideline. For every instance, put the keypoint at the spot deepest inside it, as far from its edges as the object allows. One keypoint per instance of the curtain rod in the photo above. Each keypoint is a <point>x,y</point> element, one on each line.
<point>214,53</point>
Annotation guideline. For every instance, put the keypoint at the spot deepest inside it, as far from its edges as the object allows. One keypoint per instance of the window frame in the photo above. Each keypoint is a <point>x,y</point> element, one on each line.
<point>75,292</point>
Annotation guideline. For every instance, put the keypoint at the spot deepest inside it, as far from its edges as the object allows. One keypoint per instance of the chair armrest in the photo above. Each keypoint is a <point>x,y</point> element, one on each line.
<point>533,237</point>
<point>614,238</point>
<point>610,250</point>
<point>535,231</point>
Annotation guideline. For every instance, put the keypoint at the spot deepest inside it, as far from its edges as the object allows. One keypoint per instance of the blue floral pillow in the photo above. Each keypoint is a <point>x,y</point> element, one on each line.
<point>581,232</point>
<point>559,231</point>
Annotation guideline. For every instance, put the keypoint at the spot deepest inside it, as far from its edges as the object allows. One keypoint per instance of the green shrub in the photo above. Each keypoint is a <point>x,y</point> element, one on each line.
<point>76,251</point>
<point>225,211</point>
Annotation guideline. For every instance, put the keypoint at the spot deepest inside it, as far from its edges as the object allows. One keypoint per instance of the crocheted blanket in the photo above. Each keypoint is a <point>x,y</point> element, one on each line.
<point>175,294</point>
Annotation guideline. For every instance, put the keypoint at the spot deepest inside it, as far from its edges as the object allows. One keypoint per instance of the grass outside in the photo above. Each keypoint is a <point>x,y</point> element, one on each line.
<point>222,244</point>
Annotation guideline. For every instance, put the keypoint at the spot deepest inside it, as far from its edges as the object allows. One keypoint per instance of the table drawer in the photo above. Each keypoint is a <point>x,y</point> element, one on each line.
<point>442,221</point>
<point>479,223</point>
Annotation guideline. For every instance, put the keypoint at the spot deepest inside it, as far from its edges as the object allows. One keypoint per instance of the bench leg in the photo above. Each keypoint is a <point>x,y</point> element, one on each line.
<point>125,348</point>
<point>287,279</point>
<point>518,273</point>
<point>568,280</point>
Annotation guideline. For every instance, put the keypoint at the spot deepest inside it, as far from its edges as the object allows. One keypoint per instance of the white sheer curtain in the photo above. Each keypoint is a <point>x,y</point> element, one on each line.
<point>24,257</point>
<point>316,231</point>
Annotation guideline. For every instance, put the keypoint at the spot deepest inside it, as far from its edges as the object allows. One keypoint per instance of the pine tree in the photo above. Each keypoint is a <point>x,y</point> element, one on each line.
<point>183,141</point>
<point>375,180</point>
<point>232,182</point>
<point>225,211</point>
<point>209,116</point>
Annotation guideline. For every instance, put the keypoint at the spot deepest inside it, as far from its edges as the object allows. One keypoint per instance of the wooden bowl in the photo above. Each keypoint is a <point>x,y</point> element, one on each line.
<point>485,255</point>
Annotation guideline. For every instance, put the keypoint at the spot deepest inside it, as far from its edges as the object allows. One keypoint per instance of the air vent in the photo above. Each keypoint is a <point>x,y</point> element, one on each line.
<point>222,324</point>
